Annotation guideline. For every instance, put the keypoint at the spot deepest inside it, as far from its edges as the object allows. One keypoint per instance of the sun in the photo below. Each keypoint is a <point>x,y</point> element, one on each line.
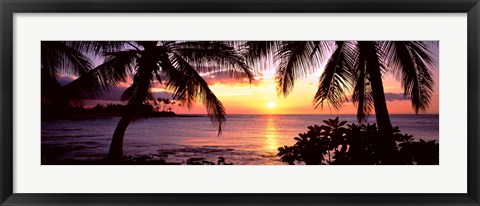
<point>271,105</point>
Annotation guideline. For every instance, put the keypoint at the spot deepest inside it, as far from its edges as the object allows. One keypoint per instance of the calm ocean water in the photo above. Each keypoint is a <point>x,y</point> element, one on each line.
<point>246,139</point>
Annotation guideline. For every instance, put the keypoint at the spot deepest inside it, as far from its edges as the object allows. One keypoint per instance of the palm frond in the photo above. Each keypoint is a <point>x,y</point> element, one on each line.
<point>411,63</point>
<point>147,45</point>
<point>86,86</point>
<point>421,95</point>
<point>256,53</point>
<point>362,93</point>
<point>51,59</point>
<point>431,44</point>
<point>424,51</point>
<point>116,67</point>
<point>58,57</point>
<point>97,47</point>
<point>61,58</point>
<point>139,91</point>
<point>213,57</point>
<point>176,82</point>
<point>321,49</point>
<point>130,93</point>
<point>194,86</point>
<point>337,77</point>
<point>295,60</point>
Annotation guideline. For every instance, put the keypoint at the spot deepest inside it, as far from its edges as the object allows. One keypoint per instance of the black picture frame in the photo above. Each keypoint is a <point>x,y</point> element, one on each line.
<point>9,7</point>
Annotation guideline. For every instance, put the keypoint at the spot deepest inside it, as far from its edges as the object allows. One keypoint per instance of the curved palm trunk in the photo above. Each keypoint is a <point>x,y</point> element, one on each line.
<point>141,84</point>
<point>387,143</point>
<point>115,152</point>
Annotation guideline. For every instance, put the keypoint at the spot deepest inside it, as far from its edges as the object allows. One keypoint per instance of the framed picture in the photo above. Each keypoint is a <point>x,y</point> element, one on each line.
<point>247,103</point>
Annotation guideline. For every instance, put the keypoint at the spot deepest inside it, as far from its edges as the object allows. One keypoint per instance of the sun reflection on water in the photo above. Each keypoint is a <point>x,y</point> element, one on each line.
<point>271,143</point>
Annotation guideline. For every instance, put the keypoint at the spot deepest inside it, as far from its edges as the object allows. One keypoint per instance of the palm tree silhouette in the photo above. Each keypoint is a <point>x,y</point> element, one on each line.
<point>178,66</point>
<point>71,58</point>
<point>355,66</point>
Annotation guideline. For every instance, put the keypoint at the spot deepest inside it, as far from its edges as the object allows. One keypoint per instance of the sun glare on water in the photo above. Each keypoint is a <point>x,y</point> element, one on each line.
<point>271,105</point>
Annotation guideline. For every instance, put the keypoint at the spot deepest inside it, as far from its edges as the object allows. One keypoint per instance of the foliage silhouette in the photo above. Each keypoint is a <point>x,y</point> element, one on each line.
<point>175,64</point>
<point>71,58</point>
<point>202,161</point>
<point>51,111</point>
<point>164,102</point>
<point>354,67</point>
<point>355,144</point>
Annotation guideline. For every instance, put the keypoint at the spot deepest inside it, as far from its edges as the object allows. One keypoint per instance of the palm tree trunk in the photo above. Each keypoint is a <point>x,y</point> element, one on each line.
<point>141,83</point>
<point>374,71</point>
<point>115,152</point>
<point>387,143</point>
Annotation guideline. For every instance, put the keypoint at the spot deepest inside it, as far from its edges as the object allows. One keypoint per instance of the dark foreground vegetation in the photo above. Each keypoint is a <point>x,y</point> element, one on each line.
<point>178,66</point>
<point>53,111</point>
<point>339,143</point>
<point>128,160</point>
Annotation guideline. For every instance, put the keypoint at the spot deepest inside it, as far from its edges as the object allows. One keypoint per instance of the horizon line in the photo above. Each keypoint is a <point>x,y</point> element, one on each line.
<point>304,114</point>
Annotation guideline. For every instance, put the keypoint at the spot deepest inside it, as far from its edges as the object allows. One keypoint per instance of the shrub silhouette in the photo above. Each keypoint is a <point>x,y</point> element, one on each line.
<point>339,143</point>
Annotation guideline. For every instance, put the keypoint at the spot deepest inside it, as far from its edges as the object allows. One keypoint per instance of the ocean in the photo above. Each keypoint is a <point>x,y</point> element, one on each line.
<point>246,139</point>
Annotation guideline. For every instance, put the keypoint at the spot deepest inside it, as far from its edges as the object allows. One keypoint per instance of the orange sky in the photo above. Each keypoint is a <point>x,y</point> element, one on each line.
<point>261,97</point>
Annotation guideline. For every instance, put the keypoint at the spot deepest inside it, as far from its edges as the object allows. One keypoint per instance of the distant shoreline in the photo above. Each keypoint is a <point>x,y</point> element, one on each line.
<point>372,115</point>
<point>110,116</point>
<point>171,114</point>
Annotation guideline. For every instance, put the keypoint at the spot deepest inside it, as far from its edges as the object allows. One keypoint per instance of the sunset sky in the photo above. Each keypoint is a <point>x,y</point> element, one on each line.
<point>260,97</point>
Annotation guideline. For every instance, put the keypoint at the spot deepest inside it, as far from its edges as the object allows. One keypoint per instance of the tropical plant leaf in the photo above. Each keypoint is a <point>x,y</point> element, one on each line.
<point>296,59</point>
<point>257,53</point>
<point>56,57</point>
<point>337,77</point>
<point>116,67</point>
<point>200,90</point>
<point>411,62</point>
<point>362,92</point>
<point>86,86</point>
<point>213,57</point>
<point>97,48</point>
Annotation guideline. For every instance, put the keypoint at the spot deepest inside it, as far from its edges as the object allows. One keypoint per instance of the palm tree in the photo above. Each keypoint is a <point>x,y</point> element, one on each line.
<point>357,67</point>
<point>178,66</point>
<point>165,102</point>
<point>70,58</point>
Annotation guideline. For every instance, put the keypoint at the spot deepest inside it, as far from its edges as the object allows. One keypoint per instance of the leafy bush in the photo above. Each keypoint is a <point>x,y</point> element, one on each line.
<point>339,143</point>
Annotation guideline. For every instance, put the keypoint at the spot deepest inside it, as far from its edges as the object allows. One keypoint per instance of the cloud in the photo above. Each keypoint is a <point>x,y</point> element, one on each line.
<point>225,78</point>
<point>394,96</point>
<point>389,97</point>
<point>64,80</point>
<point>212,78</point>
<point>115,93</point>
